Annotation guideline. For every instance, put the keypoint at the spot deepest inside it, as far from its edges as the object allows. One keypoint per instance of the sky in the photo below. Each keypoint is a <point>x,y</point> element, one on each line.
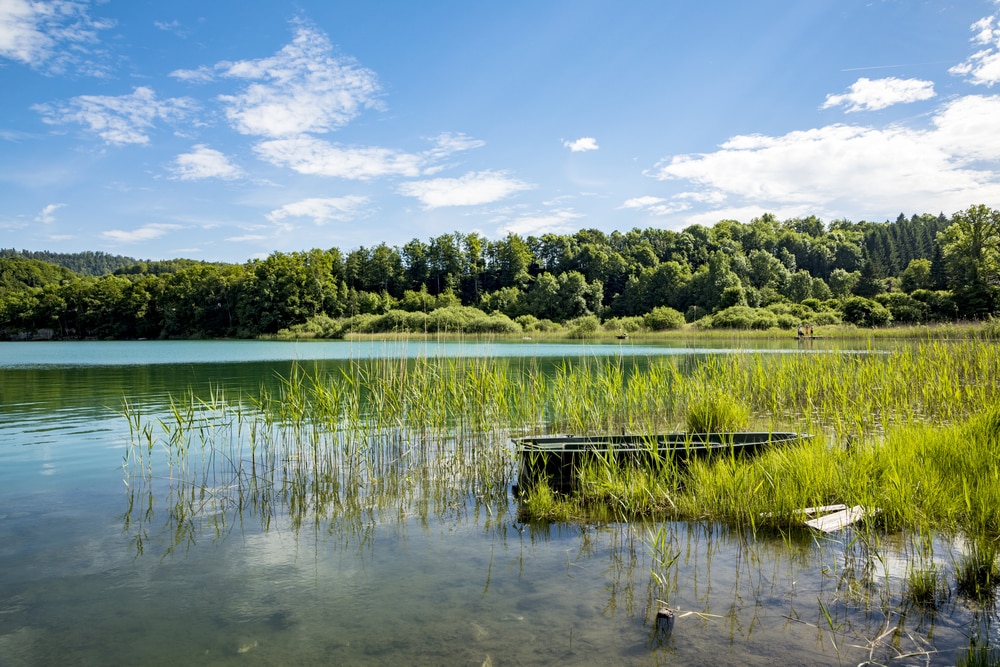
<point>226,131</point>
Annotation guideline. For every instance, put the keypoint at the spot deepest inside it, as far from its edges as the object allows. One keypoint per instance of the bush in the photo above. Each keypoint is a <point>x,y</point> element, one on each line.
<point>941,306</point>
<point>735,317</point>
<point>663,318</point>
<point>532,323</point>
<point>695,313</point>
<point>864,312</point>
<point>583,327</point>
<point>626,324</point>
<point>744,317</point>
<point>788,321</point>
<point>904,308</point>
<point>826,317</point>
<point>318,326</point>
<point>813,304</point>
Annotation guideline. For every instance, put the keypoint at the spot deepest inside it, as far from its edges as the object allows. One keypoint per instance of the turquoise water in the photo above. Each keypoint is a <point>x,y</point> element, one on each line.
<point>88,579</point>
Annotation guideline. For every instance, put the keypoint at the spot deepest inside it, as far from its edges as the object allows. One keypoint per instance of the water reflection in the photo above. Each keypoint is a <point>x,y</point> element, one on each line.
<point>397,548</point>
<point>528,593</point>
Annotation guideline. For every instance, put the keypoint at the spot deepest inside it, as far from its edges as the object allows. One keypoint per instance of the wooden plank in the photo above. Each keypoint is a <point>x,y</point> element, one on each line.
<point>830,523</point>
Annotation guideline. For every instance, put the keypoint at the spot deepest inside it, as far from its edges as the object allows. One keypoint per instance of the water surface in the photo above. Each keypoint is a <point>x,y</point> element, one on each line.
<point>88,579</point>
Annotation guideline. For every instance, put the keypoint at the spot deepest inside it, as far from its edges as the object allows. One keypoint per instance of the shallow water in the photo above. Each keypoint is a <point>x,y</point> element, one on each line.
<point>87,579</point>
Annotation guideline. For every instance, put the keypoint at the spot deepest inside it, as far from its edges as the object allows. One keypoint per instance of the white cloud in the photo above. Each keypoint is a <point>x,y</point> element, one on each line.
<point>582,144</point>
<point>844,170</point>
<point>656,205</point>
<point>983,66</point>
<point>448,143</point>
<point>558,221</point>
<point>174,27</point>
<point>46,215</point>
<point>872,95</point>
<point>200,75</point>
<point>302,88</point>
<point>125,119</point>
<point>204,162</point>
<point>475,188</point>
<point>144,233</point>
<point>52,36</point>
<point>308,155</point>
<point>321,209</point>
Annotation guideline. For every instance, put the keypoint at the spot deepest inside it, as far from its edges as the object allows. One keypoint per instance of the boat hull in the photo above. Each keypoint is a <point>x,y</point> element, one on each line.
<point>558,458</point>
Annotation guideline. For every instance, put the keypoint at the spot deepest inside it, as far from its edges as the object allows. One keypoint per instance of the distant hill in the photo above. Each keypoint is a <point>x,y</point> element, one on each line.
<point>18,273</point>
<point>86,263</point>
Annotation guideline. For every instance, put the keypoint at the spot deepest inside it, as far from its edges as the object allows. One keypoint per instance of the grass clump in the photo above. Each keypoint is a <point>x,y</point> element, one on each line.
<point>715,411</point>
<point>924,587</point>
<point>541,503</point>
<point>980,656</point>
<point>977,574</point>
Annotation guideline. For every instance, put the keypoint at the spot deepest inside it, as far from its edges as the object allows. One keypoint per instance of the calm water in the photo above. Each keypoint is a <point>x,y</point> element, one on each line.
<point>459,582</point>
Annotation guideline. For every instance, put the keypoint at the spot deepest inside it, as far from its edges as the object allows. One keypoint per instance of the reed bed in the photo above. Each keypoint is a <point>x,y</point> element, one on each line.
<point>894,430</point>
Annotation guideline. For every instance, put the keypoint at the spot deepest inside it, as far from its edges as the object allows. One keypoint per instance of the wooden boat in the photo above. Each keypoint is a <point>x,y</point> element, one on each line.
<point>556,458</point>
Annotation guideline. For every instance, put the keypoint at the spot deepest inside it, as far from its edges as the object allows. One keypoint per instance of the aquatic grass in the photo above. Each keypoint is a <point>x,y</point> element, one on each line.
<point>716,410</point>
<point>979,656</point>
<point>977,573</point>
<point>893,432</point>
<point>924,587</point>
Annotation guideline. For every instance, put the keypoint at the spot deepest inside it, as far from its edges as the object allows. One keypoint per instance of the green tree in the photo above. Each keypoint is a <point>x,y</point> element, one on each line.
<point>917,275</point>
<point>971,247</point>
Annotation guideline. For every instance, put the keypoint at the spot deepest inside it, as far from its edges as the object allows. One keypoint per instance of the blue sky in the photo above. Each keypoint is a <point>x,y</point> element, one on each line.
<point>228,130</point>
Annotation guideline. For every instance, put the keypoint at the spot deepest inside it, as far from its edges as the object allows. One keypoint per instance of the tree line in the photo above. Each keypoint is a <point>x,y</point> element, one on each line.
<point>763,273</point>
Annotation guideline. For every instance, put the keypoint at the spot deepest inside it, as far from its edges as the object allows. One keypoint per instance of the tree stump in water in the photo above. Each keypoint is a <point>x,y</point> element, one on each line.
<point>664,623</point>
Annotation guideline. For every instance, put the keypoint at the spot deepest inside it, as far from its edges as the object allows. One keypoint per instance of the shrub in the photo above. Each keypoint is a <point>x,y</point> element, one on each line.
<point>318,326</point>
<point>583,327</point>
<point>941,306</point>
<point>626,324</point>
<point>788,321</point>
<point>735,317</point>
<point>663,318</point>
<point>813,304</point>
<point>744,317</point>
<point>865,312</point>
<point>904,308</point>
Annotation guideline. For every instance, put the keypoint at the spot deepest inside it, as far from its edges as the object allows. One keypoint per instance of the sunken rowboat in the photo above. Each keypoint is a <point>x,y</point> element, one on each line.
<point>557,458</point>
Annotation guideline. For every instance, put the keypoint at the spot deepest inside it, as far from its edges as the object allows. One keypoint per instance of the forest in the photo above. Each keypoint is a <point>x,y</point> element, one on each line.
<point>758,275</point>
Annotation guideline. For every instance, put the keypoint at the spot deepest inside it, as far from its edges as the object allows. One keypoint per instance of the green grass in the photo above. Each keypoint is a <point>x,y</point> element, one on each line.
<point>914,433</point>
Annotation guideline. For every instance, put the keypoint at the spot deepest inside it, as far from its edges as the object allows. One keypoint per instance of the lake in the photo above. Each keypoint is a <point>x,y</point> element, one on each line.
<point>94,573</point>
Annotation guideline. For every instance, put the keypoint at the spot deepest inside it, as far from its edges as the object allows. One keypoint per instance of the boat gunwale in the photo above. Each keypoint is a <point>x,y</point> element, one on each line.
<point>664,442</point>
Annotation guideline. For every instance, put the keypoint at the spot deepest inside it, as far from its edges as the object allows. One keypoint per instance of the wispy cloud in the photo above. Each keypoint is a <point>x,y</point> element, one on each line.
<point>321,209</point>
<point>140,234</point>
<point>204,162</point>
<point>54,36</point>
<point>46,216</point>
<point>174,27</point>
<point>582,144</point>
<point>201,74</point>
<point>983,66</point>
<point>874,94</point>
<point>655,205</point>
<point>474,188</point>
<point>123,119</point>
<point>309,155</point>
<point>555,221</point>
